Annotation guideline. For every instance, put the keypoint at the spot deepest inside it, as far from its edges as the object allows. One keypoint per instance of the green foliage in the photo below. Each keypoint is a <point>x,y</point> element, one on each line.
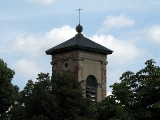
<point>8,91</point>
<point>136,97</point>
<point>56,98</point>
<point>110,109</point>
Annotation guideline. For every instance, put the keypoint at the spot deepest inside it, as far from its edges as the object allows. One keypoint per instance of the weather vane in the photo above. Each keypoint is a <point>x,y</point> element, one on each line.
<point>79,14</point>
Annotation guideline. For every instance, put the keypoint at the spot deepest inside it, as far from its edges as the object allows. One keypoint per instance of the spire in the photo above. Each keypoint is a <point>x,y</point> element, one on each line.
<point>79,14</point>
<point>79,28</point>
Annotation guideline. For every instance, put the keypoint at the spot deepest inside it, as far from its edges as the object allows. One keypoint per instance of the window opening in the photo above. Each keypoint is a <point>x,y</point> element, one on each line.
<point>91,88</point>
<point>66,65</point>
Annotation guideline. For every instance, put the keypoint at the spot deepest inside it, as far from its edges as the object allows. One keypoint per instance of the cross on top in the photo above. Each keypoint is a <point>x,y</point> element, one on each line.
<point>79,14</point>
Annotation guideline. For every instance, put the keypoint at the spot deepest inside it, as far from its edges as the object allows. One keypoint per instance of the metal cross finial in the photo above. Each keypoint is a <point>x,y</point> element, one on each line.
<point>79,14</point>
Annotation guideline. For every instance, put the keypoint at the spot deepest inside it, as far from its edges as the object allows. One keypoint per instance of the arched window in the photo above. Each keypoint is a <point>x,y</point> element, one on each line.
<point>91,88</point>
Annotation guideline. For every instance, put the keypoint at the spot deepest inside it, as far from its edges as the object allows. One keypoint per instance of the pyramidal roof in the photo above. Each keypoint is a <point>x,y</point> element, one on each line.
<point>79,42</point>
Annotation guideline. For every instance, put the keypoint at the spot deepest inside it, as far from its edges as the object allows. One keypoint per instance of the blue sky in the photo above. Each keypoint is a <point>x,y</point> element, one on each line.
<point>29,27</point>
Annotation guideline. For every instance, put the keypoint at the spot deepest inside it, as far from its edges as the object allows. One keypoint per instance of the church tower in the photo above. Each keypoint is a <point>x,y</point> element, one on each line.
<point>85,59</point>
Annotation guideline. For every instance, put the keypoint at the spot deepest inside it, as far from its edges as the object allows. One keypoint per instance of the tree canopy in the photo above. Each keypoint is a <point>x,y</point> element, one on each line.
<point>60,97</point>
<point>8,91</point>
<point>57,98</point>
<point>136,97</point>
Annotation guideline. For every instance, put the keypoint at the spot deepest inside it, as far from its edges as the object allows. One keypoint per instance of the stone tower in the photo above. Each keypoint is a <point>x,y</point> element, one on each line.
<point>85,59</point>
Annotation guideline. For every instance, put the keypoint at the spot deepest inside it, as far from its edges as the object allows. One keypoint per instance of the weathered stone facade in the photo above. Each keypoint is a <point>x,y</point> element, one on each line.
<point>82,64</point>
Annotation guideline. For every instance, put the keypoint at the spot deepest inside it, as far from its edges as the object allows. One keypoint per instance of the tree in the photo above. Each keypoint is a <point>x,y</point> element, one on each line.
<point>110,109</point>
<point>57,98</point>
<point>8,91</point>
<point>136,97</point>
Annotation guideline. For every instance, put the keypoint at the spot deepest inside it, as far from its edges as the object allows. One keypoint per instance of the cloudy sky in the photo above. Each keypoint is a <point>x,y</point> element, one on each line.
<point>131,28</point>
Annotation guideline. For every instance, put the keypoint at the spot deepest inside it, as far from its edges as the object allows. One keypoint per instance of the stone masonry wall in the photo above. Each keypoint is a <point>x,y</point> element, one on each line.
<point>82,64</point>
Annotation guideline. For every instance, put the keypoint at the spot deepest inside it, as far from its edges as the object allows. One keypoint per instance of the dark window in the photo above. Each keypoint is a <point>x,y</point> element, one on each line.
<point>66,65</point>
<point>91,88</point>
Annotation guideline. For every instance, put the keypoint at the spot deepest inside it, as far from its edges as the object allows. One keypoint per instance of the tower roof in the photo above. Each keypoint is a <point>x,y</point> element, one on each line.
<point>79,42</point>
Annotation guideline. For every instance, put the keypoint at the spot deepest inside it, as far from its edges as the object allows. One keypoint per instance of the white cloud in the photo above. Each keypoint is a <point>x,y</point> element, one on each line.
<point>58,35</point>
<point>34,46</point>
<point>109,93</point>
<point>42,1</point>
<point>154,33</point>
<point>24,67</point>
<point>116,22</point>
<point>123,50</point>
<point>28,44</point>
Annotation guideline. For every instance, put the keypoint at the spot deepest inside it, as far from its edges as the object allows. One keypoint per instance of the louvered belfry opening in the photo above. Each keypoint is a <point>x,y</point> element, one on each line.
<point>91,88</point>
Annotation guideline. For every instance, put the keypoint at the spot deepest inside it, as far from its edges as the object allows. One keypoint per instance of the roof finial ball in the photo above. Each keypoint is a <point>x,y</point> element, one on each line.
<point>79,28</point>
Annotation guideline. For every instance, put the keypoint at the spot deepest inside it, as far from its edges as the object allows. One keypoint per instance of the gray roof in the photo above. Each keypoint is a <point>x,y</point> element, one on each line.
<point>79,42</point>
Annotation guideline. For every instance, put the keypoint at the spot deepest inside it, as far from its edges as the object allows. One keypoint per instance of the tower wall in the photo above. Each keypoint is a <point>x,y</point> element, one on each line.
<point>82,64</point>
